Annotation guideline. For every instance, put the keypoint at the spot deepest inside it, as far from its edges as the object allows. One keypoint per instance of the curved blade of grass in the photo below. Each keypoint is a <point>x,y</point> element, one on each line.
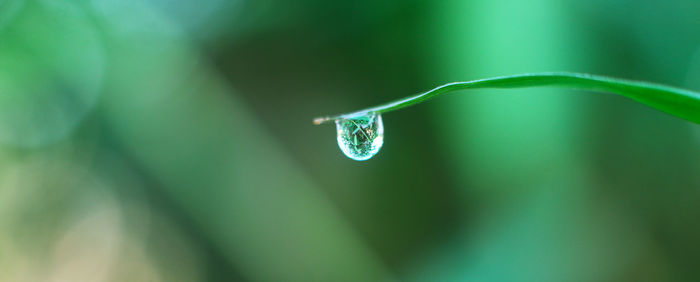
<point>681,103</point>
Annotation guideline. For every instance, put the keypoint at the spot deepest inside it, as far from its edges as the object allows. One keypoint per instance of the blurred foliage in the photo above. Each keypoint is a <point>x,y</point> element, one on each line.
<point>171,140</point>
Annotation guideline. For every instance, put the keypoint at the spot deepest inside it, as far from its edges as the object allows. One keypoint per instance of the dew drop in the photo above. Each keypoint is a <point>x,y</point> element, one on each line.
<point>361,137</point>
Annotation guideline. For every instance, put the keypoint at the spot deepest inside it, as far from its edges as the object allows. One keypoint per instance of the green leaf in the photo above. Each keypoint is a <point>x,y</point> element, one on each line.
<point>681,103</point>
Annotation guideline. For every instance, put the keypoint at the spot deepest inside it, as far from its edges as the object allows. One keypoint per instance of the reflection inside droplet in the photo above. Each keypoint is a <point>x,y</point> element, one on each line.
<point>51,71</point>
<point>361,137</point>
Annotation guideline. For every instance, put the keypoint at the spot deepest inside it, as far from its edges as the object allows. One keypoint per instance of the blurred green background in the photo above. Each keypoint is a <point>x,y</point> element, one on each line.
<point>171,140</point>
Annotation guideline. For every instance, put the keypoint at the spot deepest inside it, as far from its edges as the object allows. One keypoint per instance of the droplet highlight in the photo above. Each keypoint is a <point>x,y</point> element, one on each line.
<point>361,137</point>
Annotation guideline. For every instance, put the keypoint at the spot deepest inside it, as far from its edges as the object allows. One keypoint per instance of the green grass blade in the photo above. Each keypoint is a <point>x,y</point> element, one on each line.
<point>681,103</point>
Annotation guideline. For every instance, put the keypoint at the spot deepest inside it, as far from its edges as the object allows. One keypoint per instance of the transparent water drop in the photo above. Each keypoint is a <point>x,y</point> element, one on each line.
<point>361,137</point>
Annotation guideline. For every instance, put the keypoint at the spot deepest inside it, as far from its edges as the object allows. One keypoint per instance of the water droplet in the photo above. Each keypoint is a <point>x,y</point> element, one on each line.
<point>361,137</point>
